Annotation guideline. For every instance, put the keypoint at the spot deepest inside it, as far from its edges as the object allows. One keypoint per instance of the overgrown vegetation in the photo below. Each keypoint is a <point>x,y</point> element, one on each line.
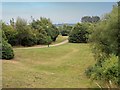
<point>79,33</point>
<point>105,46</point>
<point>65,29</point>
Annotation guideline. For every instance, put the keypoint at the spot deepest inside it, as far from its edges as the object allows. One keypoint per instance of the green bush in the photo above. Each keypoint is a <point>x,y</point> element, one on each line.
<point>78,34</point>
<point>105,46</point>
<point>46,25</point>
<point>29,40</point>
<point>7,51</point>
<point>64,33</point>
<point>65,30</point>
<point>109,71</point>
<point>11,34</point>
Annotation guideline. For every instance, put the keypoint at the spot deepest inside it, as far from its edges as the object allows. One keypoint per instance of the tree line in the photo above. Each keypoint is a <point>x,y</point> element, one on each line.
<point>40,31</point>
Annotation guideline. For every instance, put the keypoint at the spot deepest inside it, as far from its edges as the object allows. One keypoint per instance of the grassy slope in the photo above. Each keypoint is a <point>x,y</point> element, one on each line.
<point>62,66</point>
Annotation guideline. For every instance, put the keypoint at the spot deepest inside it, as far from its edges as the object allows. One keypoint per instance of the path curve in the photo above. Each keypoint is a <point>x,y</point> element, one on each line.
<point>43,46</point>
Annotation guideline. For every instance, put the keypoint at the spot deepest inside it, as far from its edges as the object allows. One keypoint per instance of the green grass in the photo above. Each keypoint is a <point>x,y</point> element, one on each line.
<point>55,67</point>
<point>60,39</point>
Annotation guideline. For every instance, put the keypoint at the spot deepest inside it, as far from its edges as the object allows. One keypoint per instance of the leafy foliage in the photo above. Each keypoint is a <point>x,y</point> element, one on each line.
<point>37,32</point>
<point>105,46</point>
<point>7,51</point>
<point>65,30</point>
<point>45,25</point>
<point>78,34</point>
<point>11,34</point>
<point>90,19</point>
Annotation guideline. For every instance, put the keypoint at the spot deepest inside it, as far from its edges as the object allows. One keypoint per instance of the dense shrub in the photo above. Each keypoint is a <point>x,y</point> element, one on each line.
<point>78,34</point>
<point>105,46</point>
<point>108,71</point>
<point>53,32</point>
<point>7,51</point>
<point>2,36</point>
<point>65,30</point>
<point>11,34</point>
<point>37,32</point>
<point>26,36</point>
<point>46,25</point>
<point>29,40</point>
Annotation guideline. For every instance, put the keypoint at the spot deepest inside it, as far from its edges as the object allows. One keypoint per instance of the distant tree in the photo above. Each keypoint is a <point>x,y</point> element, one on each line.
<point>95,18</point>
<point>90,19</point>
<point>12,22</point>
<point>86,19</point>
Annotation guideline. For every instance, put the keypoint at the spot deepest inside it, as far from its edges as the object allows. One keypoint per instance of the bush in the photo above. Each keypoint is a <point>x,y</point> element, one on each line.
<point>46,25</point>
<point>11,34</point>
<point>53,32</point>
<point>29,40</point>
<point>64,33</point>
<point>78,34</point>
<point>109,71</point>
<point>7,51</point>
<point>105,46</point>
<point>65,30</point>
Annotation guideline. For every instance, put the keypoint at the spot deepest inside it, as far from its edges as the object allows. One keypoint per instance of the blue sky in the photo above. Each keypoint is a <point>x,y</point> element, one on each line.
<point>58,12</point>
<point>60,0</point>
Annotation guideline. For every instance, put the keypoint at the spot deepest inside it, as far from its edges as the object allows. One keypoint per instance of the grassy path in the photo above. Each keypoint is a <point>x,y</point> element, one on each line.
<point>44,46</point>
<point>56,67</point>
<point>60,40</point>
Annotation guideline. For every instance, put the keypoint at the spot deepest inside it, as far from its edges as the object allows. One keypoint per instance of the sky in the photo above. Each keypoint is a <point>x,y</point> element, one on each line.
<point>59,0</point>
<point>58,12</point>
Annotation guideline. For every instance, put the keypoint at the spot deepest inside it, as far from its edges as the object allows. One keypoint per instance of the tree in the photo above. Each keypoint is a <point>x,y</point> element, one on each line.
<point>48,40</point>
<point>65,30</point>
<point>95,18</point>
<point>5,48</point>
<point>12,22</point>
<point>90,19</point>
<point>45,24</point>
<point>11,34</point>
<point>105,45</point>
<point>78,34</point>
<point>26,37</point>
<point>86,19</point>
<point>21,25</point>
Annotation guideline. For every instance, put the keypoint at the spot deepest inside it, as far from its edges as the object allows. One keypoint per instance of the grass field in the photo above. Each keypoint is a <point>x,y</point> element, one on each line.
<point>55,67</point>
